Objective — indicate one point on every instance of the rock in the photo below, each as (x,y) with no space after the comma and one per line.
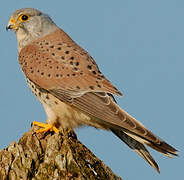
(50,156)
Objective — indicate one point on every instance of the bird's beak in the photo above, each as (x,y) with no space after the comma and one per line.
(12,24)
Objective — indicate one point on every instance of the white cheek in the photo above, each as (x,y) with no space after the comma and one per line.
(33,25)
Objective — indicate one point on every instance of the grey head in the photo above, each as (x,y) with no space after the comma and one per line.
(30,24)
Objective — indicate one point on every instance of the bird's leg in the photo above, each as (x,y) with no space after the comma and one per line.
(45,127)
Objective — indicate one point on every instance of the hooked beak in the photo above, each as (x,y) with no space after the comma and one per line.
(12,25)
(9,27)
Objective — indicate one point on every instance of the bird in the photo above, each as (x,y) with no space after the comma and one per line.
(73,91)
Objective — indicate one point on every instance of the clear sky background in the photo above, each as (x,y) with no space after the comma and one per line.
(139,46)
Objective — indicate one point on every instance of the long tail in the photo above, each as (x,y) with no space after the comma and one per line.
(136,143)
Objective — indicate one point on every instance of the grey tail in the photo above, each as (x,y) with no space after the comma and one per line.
(138,146)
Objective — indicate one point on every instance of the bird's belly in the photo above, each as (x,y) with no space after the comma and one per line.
(60,113)
(63,114)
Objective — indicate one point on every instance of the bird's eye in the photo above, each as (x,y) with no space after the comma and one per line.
(24,17)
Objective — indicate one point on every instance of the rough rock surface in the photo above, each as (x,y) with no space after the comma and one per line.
(51,157)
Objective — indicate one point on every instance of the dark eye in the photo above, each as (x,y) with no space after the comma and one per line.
(24,17)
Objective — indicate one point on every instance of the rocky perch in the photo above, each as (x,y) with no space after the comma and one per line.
(51,156)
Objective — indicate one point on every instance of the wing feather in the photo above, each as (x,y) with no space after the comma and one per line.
(57,63)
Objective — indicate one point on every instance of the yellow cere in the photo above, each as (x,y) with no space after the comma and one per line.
(12,20)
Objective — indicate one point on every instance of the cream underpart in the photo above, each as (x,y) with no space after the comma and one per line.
(60,113)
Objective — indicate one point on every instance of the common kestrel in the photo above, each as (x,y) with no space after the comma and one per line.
(68,83)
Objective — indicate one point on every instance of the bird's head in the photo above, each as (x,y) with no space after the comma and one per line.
(30,24)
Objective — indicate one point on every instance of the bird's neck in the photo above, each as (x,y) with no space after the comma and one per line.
(24,37)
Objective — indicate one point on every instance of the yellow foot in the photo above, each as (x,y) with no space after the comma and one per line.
(45,127)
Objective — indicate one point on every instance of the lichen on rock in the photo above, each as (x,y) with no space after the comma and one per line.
(51,156)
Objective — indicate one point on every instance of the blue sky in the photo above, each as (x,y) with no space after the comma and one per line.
(138,45)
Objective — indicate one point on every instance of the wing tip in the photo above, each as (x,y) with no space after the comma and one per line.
(169,149)
(157,169)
